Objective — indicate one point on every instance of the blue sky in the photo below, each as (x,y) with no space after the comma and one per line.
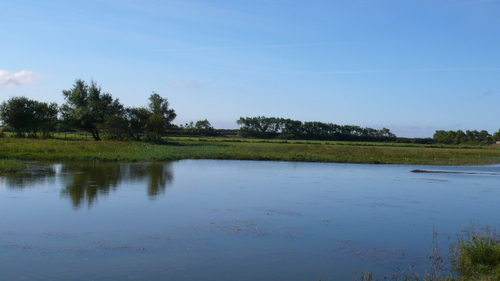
(414,66)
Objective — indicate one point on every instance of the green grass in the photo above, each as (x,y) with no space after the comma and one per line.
(475,257)
(11,166)
(245,149)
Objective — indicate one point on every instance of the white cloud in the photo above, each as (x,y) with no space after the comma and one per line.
(176,84)
(9,79)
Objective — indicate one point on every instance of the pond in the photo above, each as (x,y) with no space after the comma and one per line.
(234,220)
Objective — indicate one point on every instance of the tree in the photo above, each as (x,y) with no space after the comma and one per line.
(138,118)
(290,128)
(86,107)
(203,125)
(496,136)
(45,117)
(160,117)
(26,115)
(117,125)
(17,112)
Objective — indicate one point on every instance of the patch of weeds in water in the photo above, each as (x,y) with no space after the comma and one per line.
(478,254)
(475,257)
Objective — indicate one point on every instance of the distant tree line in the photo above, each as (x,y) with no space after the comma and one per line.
(467,137)
(200,128)
(272,127)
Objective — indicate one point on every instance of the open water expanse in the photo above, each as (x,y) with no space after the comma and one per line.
(235,220)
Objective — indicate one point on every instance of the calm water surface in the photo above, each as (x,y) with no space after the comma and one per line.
(234,220)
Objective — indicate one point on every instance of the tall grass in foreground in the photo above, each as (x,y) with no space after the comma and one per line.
(475,257)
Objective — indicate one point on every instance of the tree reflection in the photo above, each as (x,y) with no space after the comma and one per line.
(35,176)
(84,183)
(157,175)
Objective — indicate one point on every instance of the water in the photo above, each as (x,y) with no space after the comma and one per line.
(234,220)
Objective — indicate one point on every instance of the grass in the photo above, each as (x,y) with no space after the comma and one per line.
(74,149)
(475,257)
(11,166)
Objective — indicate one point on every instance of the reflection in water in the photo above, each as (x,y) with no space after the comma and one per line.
(36,175)
(85,182)
(158,176)
(236,220)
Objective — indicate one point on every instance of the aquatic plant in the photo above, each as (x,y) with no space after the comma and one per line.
(477,257)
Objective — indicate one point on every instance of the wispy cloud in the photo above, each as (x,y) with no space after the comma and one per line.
(194,85)
(176,84)
(9,79)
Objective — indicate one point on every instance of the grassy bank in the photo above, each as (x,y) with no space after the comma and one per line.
(11,166)
(238,149)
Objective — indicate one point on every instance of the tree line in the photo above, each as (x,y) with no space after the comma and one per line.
(87,108)
(273,127)
(467,137)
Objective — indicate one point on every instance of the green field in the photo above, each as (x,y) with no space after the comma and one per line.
(77,148)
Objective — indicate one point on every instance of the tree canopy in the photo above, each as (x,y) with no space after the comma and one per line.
(86,107)
(271,127)
(30,116)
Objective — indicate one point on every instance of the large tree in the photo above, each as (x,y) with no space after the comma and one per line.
(161,116)
(87,107)
(17,113)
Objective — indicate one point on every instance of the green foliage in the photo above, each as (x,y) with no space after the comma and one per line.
(478,255)
(29,116)
(11,166)
(86,107)
(138,118)
(203,125)
(272,127)
(496,136)
(460,137)
(475,257)
(160,116)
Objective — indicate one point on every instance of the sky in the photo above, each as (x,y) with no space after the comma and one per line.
(413,66)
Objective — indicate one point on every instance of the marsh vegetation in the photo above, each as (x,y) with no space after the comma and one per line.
(79,149)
